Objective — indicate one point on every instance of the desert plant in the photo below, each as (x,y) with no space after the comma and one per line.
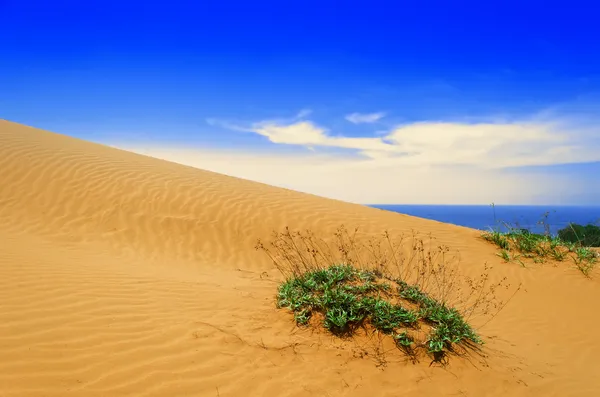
(540,247)
(504,254)
(585,260)
(391,287)
(498,238)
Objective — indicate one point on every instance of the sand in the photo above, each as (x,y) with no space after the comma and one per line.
(124,275)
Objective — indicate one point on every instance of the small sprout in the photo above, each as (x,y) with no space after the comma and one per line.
(403,339)
(504,254)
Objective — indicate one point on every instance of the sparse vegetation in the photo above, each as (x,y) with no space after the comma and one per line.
(347,298)
(574,241)
(585,260)
(408,291)
(504,254)
(529,245)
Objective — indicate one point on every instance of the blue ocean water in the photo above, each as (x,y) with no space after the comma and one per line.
(485,217)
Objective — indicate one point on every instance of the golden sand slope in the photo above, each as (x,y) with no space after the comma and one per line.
(125,275)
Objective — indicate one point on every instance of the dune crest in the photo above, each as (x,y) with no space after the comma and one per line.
(125,275)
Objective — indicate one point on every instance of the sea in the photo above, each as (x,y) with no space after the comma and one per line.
(536,219)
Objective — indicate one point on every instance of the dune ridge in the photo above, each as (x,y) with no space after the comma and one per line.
(127,275)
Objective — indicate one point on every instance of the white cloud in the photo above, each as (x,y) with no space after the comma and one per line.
(358,118)
(429,162)
(306,133)
(484,145)
(363,182)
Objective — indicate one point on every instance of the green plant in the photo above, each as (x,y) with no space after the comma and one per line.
(556,249)
(585,260)
(336,292)
(540,247)
(497,238)
(383,290)
(449,325)
(404,339)
(504,254)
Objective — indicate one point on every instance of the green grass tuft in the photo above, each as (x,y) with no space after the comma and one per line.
(407,290)
(540,247)
(449,327)
(585,260)
(348,298)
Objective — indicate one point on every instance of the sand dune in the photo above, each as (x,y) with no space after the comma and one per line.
(124,275)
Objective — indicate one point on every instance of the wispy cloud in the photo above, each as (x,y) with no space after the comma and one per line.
(470,162)
(485,145)
(355,181)
(227,125)
(306,133)
(303,113)
(358,118)
(215,122)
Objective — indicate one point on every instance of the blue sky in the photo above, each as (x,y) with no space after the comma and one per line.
(452,102)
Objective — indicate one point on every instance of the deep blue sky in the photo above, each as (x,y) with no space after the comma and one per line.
(73,61)
(158,70)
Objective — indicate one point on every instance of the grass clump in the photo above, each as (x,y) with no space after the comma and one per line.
(573,241)
(498,238)
(518,243)
(348,298)
(408,292)
(585,260)
(449,326)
